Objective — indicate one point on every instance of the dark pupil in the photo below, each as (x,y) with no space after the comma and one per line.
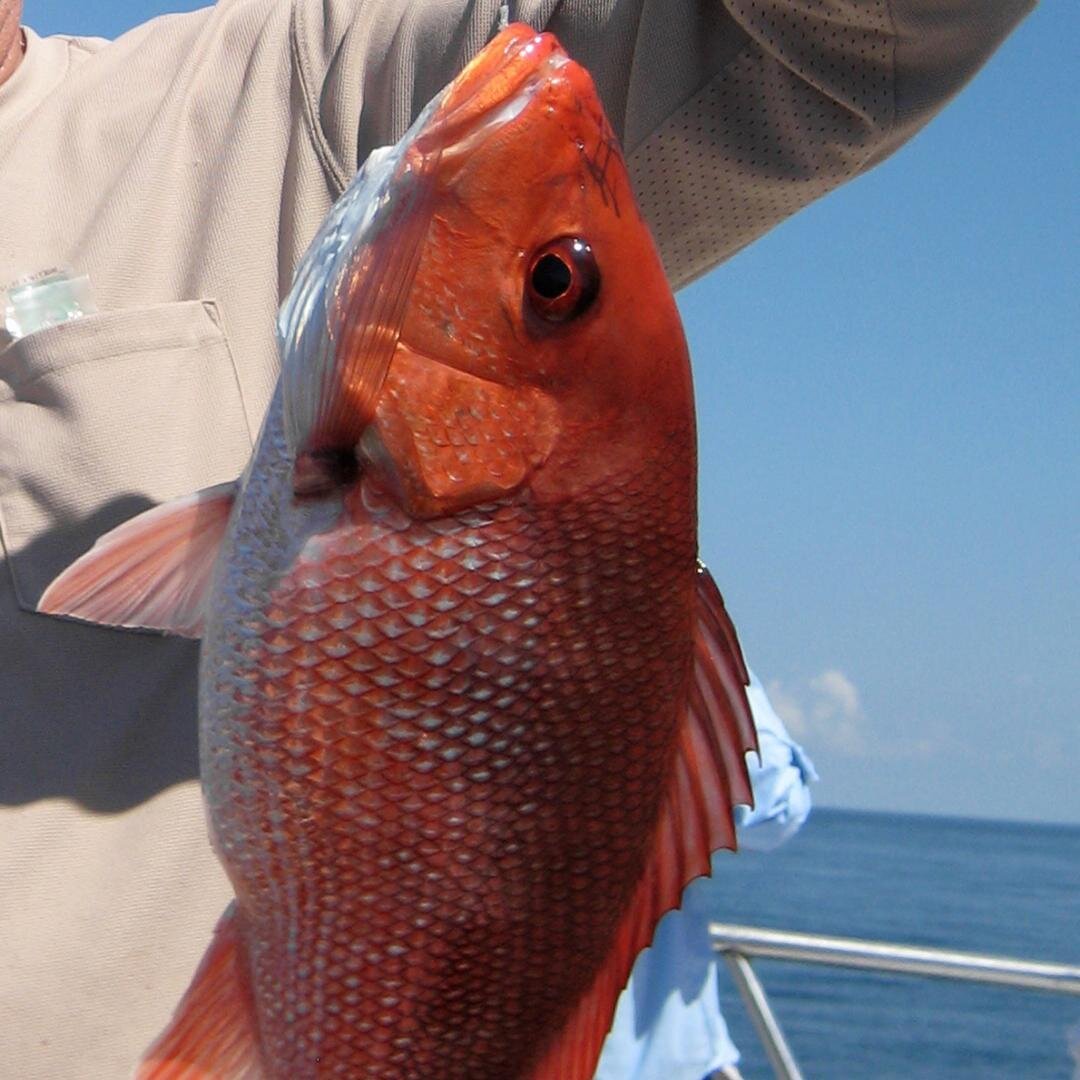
(551,277)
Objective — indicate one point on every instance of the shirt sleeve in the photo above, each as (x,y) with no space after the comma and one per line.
(733,113)
(780,102)
(780,779)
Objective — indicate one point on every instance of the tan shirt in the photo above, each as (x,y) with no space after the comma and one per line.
(184,168)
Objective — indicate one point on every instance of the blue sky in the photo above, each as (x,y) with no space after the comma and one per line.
(889,404)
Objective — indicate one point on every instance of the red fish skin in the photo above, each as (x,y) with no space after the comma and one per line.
(465,800)
(436,739)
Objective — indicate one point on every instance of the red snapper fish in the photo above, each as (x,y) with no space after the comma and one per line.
(471,713)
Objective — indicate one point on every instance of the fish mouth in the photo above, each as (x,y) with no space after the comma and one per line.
(493,89)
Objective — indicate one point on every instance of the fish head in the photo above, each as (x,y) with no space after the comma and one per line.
(525,332)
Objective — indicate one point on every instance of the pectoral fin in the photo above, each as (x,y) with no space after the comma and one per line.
(153,571)
(709,778)
(212,1033)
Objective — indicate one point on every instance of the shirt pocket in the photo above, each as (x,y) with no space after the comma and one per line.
(104,416)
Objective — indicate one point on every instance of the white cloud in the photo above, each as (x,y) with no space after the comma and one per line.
(826,713)
(826,710)
(836,692)
(787,708)
(837,711)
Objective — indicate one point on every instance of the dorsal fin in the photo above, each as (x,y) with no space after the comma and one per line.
(153,571)
(708,780)
(211,1035)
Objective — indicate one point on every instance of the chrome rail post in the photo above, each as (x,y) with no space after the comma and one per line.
(738,943)
(757,1005)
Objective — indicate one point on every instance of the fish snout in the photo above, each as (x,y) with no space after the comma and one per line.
(494,87)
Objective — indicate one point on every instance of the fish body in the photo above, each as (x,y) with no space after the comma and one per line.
(431,752)
(470,713)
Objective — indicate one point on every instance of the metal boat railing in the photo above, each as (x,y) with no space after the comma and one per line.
(737,944)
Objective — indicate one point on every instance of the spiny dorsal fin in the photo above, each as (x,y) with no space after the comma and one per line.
(708,780)
(153,571)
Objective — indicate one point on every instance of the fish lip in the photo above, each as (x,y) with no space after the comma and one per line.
(492,89)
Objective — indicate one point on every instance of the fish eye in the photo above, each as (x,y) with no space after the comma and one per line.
(563,280)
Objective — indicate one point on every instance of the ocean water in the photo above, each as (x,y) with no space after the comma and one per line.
(993,887)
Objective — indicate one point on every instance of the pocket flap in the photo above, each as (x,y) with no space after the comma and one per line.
(104,416)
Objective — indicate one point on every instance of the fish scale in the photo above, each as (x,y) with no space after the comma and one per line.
(406,758)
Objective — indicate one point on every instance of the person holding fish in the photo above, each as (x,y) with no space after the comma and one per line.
(479,285)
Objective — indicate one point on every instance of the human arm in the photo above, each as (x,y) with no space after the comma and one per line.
(733,113)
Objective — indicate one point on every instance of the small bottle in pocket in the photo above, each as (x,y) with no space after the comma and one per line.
(42,300)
